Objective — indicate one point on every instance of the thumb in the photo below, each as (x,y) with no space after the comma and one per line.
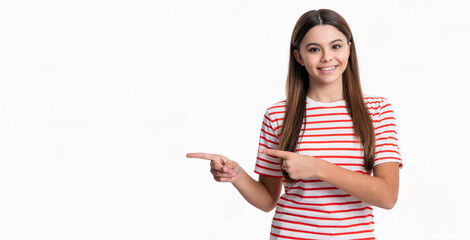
(224,160)
(220,162)
(231,168)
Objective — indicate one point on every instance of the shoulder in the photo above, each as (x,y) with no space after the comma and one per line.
(277,107)
(378,106)
(374,101)
(274,115)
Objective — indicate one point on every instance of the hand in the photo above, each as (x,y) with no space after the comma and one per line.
(222,168)
(298,166)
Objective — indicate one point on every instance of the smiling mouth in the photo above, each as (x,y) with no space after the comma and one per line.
(328,69)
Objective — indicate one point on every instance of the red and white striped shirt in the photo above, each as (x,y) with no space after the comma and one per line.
(311,208)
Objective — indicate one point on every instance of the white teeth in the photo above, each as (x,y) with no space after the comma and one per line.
(327,69)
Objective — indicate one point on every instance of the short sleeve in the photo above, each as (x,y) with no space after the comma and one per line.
(386,146)
(265,164)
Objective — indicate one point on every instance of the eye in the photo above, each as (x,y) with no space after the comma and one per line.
(314,50)
(336,46)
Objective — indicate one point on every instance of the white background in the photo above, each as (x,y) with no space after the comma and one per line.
(101,100)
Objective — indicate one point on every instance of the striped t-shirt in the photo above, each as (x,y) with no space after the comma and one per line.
(311,208)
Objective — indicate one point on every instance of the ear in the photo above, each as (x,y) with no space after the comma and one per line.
(298,58)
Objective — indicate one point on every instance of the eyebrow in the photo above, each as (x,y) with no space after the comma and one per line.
(316,44)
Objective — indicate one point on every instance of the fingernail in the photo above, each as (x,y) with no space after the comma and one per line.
(261,151)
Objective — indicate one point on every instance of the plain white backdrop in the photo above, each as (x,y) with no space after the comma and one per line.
(101,100)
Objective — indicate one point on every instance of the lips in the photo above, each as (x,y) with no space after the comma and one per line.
(328,69)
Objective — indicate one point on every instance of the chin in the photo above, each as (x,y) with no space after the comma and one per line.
(327,80)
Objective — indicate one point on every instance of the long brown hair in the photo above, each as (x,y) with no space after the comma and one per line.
(298,84)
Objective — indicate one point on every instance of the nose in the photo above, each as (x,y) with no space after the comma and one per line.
(326,57)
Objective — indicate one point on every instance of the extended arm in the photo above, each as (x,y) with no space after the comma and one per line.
(262,194)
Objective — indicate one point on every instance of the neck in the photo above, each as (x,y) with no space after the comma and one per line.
(331,92)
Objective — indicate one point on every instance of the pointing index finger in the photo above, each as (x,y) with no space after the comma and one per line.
(275,152)
(206,156)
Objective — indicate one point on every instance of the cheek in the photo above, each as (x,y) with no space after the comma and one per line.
(311,61)
(345,57)
(345,61)
(310,66)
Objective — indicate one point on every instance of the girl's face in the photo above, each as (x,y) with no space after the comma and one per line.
(324,51)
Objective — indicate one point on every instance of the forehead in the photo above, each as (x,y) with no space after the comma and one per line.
(323,35)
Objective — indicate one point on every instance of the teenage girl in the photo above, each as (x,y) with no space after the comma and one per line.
(333,148)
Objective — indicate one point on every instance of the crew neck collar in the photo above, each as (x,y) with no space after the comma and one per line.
(326,104)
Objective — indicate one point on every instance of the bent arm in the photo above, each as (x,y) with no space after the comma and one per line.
(380,190)
(262,194)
